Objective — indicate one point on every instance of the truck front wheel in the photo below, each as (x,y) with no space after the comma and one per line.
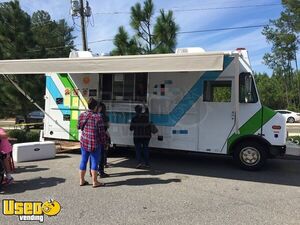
(250,155)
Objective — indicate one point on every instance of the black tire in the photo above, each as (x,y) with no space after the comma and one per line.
(250,155)
(291,120)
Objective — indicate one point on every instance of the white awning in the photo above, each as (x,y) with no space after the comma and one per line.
(117,64)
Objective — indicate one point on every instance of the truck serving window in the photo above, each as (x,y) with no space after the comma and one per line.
(217,91)
(107,87)
(247,90)
(130,87)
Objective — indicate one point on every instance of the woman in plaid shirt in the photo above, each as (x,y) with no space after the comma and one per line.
(93,138)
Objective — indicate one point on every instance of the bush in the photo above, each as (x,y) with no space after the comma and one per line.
(24,136)
(20,135)
(32,136)
(295,139)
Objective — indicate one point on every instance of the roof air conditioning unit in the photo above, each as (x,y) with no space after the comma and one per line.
(189,50)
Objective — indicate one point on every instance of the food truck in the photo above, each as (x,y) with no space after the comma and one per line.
(199,101)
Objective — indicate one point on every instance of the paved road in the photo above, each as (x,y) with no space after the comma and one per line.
(179,189)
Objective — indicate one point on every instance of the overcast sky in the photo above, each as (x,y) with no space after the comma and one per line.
(200,15)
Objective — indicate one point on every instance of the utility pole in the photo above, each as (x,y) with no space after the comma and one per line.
(78,9)
(83,29)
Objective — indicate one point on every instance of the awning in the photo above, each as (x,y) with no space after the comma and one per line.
(117,64)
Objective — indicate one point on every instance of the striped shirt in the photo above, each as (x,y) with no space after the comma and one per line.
(93,134)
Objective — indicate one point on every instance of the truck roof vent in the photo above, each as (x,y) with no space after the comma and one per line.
(189,50)
(80,54)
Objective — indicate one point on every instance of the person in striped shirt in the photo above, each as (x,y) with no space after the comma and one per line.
(92,140)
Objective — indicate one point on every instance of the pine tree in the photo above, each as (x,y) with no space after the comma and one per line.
(23,37)
(282,33)
(149,37)
(53,39)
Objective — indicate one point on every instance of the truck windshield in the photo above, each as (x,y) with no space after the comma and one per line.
(247,89)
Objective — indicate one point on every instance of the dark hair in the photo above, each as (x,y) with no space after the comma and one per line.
(103,107)
(92,104)
(138,109)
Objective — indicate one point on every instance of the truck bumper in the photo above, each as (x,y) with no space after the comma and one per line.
(277,150)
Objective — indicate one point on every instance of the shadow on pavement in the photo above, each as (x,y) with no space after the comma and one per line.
(29,169)
(141,182)
(32,184)
(60,156)
(277,171)
(136,173)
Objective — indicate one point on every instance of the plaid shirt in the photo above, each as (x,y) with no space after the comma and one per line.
(93,133)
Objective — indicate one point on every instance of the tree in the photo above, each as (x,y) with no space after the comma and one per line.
(272,91)
(16,41)
(15,32)
(24,37)
(165,31)
(140,21)
(148,37)
(126,45)
(270,96)
(53,39)
(283,35)
(294,8)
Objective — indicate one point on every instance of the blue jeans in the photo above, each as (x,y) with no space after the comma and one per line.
(95,157)
(142,147)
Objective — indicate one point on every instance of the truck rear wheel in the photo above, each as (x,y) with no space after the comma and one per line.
(250,155)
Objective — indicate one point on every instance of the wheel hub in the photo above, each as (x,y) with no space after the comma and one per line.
(250,156)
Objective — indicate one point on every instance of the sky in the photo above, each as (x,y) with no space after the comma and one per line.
(190,15)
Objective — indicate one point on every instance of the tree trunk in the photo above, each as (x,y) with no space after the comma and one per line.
(287,95)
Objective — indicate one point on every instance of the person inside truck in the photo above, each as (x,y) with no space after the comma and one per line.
(141,93)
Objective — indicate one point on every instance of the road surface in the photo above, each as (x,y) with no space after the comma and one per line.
(178,189)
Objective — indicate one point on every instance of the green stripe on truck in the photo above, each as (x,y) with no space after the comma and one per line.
(252,125)
(68,83)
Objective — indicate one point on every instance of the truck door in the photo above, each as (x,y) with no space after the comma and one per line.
(216,115)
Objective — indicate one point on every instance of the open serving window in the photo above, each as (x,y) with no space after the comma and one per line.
(125,87)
